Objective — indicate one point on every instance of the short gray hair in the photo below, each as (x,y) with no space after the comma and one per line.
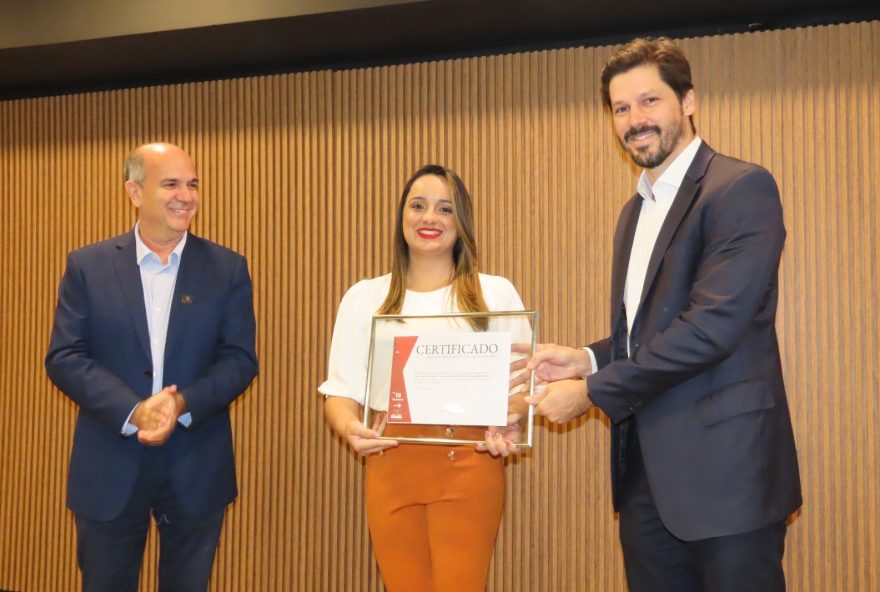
(134,168)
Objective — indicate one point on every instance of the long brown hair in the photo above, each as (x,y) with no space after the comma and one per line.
(465,280)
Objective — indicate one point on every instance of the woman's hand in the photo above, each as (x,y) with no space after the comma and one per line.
(344,415)
(366,441)
(502,441)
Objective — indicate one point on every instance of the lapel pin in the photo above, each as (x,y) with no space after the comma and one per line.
(186,299)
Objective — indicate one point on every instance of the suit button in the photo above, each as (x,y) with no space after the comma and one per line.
(148,373)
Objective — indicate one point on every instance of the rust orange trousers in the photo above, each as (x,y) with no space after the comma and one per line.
(433,513)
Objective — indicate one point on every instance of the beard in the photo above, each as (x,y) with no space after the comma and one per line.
(649,157)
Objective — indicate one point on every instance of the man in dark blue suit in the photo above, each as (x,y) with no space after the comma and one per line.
(153,339)
(704,468)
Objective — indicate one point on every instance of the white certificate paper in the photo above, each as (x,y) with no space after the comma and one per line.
(450,379)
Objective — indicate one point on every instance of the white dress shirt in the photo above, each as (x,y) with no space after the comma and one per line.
(657,199)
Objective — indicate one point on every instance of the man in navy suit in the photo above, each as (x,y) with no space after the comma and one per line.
(153,339)
(704,468)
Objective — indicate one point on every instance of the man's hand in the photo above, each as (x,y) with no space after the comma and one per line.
(561,401)
(156,417)
(550,362)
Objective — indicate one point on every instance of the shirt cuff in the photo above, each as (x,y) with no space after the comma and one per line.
(185,420)
(128,428)
(594,366)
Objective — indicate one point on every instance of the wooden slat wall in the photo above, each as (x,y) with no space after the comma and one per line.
(301,173)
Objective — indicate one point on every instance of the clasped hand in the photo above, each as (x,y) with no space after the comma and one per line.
(156,416)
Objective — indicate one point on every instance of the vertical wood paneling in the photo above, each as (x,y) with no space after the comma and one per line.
(301,173)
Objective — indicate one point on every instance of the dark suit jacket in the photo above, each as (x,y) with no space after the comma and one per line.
(99,356)
(704,381)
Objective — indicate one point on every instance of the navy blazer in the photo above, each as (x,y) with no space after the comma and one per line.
(99,356)
(703,382)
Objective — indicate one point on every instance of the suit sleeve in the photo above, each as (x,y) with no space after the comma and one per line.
(235,363)
(743,235)
(94,388)
(602,351)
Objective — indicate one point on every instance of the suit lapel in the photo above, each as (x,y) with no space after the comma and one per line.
(690,188)
(186,290)
(129,274)
(623,241)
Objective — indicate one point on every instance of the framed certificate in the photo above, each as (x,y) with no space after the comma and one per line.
(444,379)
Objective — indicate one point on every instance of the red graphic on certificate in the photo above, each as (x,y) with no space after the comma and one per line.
(398,405)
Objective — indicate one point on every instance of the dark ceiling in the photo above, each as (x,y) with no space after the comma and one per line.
(391,34)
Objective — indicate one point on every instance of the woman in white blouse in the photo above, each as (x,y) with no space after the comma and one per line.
(433,511)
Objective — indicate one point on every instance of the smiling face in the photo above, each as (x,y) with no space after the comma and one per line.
(168,196)
(429,222)
(650,121)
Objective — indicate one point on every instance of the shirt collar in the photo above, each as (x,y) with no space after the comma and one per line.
(674,174)
(142,251)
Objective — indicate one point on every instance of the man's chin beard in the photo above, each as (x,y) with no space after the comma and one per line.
(667,140)
(650,160)
(666,143)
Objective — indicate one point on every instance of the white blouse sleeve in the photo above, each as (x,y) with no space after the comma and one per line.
(505,297)
(514,301)
(347,366)
(500,294)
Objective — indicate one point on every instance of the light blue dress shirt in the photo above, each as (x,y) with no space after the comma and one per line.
(158,280)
